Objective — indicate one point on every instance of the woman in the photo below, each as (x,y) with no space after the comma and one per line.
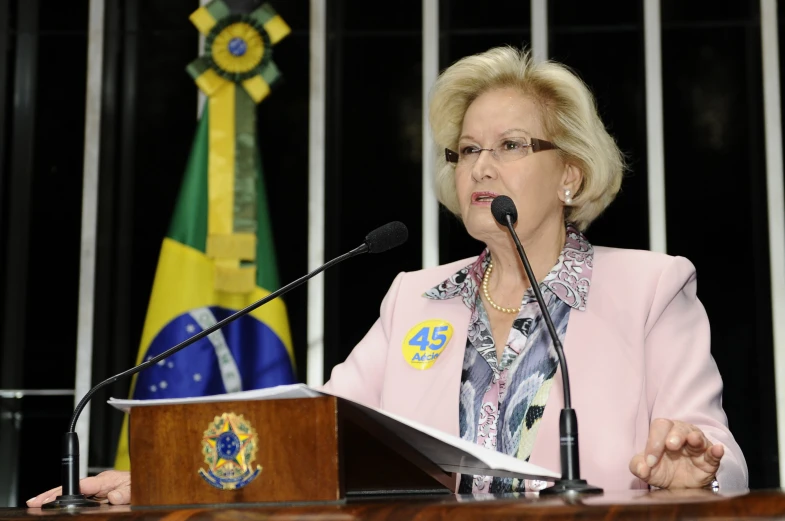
(463,347)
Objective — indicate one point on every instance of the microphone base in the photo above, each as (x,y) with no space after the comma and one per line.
(570,486)
(71,502)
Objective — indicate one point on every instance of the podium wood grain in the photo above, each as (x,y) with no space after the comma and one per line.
(311,449)
(166,448)
(701,504)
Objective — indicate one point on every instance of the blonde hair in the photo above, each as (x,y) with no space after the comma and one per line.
(569,114)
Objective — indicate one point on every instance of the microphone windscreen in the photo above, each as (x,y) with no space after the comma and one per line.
(501,207)
(387,237)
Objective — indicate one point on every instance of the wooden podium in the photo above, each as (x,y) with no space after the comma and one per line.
(310,450)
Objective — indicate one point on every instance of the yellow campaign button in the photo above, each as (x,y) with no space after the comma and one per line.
(425,342)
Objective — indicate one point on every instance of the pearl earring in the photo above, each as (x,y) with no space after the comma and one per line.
(567,197)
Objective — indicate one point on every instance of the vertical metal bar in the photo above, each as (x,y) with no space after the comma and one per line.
(335,74)
(19,197)
(9,433)
(655,147)
(105,293)
(430,70)
(5,37)
(92,145)
(445,8)
(20,185)
(316,202)
(10,429)
(125,214)
(775,194)
(539,29)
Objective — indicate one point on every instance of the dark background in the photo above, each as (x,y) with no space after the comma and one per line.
(714,158)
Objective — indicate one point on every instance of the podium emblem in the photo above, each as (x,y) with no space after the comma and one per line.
(229,447)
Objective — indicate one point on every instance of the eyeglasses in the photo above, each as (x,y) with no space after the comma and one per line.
(507,149)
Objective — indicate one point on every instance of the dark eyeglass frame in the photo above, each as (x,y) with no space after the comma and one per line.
(537,145)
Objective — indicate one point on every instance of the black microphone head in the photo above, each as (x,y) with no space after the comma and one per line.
(387,237)
(501,207)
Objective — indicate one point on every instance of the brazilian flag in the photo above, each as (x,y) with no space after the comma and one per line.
(250,353)
(218,255)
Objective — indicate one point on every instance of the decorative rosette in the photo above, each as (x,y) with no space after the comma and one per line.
(238,48)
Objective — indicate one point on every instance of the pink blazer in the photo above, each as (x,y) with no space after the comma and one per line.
(640,351)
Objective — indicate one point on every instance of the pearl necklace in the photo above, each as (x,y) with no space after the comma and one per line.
(493,304)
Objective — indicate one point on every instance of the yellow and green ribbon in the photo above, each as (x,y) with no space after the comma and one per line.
(236,72)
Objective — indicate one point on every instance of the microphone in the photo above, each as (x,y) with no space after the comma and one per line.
(379,240)
(505,213)
(386,237)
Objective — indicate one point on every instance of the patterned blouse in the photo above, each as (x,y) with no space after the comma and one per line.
(501,402)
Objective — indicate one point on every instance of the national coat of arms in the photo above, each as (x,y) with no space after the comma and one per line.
(229,447)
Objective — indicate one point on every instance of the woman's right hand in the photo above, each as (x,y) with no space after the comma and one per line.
(113,486)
